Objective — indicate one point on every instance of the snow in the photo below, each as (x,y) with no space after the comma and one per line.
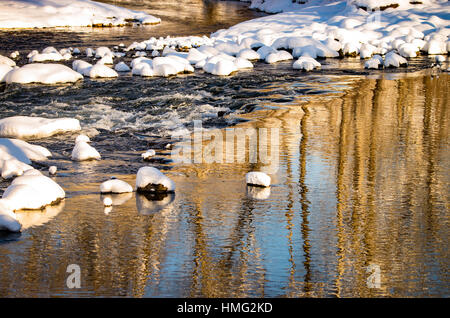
(150,179)
(374,62)
(122,67)
(56,13)
(22,151)
(83,151)
(32,192)
(256,178)
(36,127)
(8,219)
(149,153)
(7,61)
(323,28)
(12,167)
(278,56)
(4,69)
(42,73)
(101,71)
(52,170)
(248,54)
(115,186)
(306,63)
(392,59)
(107,202)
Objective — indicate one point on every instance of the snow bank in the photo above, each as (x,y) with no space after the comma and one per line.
(115,186)
(36,127)
(327,29)
(150,179)
(42,73)
(52,13)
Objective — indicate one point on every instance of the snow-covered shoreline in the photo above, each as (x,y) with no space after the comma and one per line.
(65,13)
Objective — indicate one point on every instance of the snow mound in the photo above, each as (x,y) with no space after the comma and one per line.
(392,59)
(36,127)
(256,178)
(150,179)
(115,186)
(32,192)
(122,67)
(42,73)
(83,151)
(101,71)
(306,63)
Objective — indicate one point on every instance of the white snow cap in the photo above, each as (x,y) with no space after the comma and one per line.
(115,186)
(33,191)
(122,67)
(22,150)
(7,61)
(305,63)
(257,178)
(83,151)
(36,127)
(52,170)
(42,73)
(8,220)
(149,153)
(150,179)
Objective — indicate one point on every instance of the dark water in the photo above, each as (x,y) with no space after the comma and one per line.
(360,189)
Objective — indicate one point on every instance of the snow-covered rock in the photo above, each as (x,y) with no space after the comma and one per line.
(122,67)
(101,71)
(52,170)
(374,62)
(4,69)
(256,178)
(115,186)
(248,54)
(32,192)
(306,63)
(148,154)
(42,73)
(150,179)
(7,61)
(392,59)
(22,150)
(83,151)
(36,127)
(278,56)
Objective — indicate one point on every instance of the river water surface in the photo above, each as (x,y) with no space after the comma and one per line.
(358,205)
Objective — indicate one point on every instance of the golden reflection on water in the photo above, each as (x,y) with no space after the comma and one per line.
(362,181)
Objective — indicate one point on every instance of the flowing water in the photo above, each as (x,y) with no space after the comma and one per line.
(358,205)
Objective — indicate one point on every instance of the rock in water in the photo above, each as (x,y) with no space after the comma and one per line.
(150,179)
(259,179)
(115,186)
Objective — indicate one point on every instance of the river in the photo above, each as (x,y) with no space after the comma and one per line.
(359,200)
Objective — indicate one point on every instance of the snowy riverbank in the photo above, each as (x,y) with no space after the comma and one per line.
(63,13)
